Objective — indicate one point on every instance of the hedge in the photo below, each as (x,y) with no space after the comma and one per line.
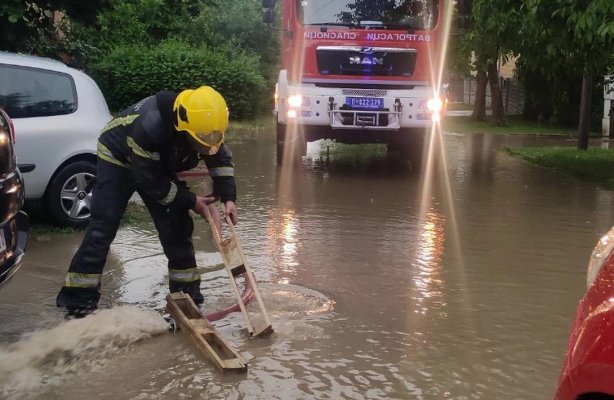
(130,73)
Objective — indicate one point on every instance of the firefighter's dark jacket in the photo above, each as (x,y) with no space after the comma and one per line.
(143,138)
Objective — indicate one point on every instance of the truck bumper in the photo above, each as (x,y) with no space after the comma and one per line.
(327,107)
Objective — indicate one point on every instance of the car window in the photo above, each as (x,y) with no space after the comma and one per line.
(31,92)
(7,160)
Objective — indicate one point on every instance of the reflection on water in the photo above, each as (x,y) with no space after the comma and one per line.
(431,238)
(375,290)
(289,236)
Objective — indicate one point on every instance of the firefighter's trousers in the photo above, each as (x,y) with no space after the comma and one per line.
(114,187)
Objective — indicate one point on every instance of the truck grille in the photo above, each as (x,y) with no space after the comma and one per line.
(366,61)
(365,92)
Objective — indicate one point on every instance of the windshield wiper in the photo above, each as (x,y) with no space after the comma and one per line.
(348,24)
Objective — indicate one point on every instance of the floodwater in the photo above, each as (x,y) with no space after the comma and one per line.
(375,288)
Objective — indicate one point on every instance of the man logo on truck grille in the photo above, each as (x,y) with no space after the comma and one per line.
(367,58)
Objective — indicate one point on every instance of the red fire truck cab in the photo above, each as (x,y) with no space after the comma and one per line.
(357,71)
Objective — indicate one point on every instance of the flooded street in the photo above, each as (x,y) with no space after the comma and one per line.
(377,286)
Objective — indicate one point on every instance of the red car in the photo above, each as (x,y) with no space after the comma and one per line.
(588,371)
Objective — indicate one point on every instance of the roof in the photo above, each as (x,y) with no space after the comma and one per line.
(31,61)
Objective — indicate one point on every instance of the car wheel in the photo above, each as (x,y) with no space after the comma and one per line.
(70,194)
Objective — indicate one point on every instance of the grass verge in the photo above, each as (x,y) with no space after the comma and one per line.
(136,215)
(459,106)
(264,125)
(516,126)
(593,165)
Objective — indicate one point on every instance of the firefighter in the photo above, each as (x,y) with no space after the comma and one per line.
(142,150)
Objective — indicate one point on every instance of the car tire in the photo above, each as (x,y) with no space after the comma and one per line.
(69,194)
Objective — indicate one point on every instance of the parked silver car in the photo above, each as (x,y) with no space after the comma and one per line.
(58,113)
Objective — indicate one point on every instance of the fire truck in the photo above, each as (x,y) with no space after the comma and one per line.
(357,71)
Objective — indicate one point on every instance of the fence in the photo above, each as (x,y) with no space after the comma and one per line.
(463,91)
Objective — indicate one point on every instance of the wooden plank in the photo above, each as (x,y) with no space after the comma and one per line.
(200,331)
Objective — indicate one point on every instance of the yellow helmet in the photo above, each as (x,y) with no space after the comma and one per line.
(203,114)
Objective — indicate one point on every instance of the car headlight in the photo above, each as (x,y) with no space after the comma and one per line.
(601,252)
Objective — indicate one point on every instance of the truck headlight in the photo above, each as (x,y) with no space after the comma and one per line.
(295,100)
(435,106)
(600,254)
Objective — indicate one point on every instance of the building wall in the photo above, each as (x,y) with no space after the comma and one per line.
(506,70)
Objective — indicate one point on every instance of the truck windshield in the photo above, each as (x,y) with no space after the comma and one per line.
(382,14)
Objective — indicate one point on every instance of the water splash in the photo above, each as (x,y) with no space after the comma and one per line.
(44,357)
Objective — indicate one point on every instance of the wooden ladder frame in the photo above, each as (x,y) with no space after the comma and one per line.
(236,264)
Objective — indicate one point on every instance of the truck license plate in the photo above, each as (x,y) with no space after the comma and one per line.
(365,103)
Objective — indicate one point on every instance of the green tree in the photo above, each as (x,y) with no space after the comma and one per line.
(579,35)
(33,26)
(131,72)
(229,25)
(144,22)
(491,37)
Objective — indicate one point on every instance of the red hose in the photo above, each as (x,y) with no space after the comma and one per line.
(248,294)
(192,173)
(198,171)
